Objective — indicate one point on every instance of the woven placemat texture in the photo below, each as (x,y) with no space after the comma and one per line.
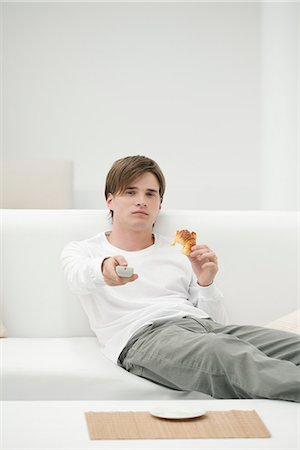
(142,425)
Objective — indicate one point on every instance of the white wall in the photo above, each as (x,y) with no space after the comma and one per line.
(179,82)
(280,118)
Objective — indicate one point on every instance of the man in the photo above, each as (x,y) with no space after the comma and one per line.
(167,322)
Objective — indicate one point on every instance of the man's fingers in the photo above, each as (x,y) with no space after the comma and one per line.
(129,279)
(119,260)
(120,281)
(200,247)
(212,265)
(109,271)
(199,256)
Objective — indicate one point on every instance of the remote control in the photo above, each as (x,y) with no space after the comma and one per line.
(124,271)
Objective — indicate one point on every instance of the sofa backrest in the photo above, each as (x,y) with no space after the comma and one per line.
(257,252)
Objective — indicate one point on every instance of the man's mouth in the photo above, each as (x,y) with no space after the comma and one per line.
(140,212)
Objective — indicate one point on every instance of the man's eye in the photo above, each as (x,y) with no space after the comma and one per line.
(130,192)
(150,194)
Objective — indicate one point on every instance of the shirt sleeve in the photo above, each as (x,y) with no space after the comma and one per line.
(82,271)
(210,300)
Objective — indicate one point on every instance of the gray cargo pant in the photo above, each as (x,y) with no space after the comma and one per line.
(223,361)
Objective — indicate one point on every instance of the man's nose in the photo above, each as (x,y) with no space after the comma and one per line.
(141,201)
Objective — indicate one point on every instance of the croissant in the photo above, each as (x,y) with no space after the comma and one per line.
(185,238)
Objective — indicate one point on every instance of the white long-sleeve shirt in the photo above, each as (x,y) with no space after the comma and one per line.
(166,287)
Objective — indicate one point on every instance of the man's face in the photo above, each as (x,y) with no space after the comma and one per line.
(138,206)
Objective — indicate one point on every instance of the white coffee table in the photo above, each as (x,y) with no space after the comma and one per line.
(61,425)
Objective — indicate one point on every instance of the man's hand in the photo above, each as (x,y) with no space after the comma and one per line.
(109,271)
(204,263)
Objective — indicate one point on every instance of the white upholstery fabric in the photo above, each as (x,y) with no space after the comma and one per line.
(71,369)
(51,352)
(289,322)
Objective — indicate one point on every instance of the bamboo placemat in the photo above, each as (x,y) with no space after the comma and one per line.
(142,425)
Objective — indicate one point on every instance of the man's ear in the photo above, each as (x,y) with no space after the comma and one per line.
(109,201)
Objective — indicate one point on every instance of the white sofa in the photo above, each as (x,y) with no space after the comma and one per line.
(51,353)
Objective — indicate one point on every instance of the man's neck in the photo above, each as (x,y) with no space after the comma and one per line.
(130,240)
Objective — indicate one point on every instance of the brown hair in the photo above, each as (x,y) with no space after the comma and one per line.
(126,170)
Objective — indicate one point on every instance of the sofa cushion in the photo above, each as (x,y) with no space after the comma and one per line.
(71,369)
(288,322)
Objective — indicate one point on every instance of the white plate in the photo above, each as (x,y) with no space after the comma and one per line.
(176,413)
